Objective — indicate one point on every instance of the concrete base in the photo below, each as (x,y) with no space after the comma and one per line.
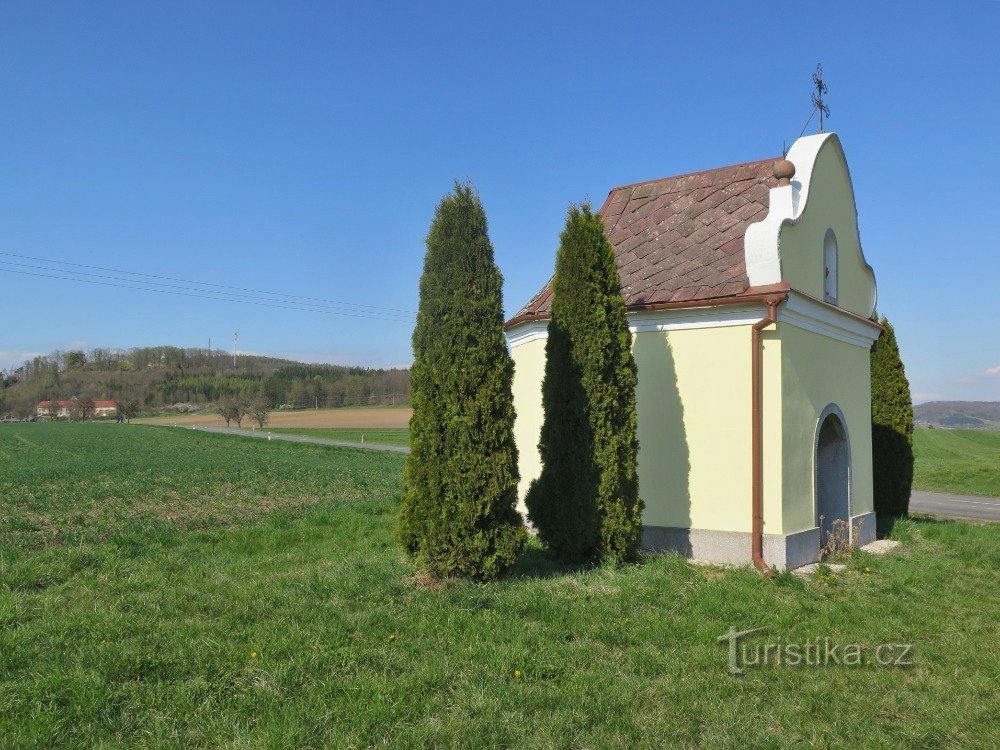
(733,547)
(781,551)
(863,529)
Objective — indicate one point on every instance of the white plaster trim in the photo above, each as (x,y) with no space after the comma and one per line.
(811,315)
(528,331)
(710,316)
(761,242)
(800,311)
(719,316)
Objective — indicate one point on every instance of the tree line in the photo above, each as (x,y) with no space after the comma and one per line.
(158,377)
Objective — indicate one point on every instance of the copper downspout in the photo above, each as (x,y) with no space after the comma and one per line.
(757,477)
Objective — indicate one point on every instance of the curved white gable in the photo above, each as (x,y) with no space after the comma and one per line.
(788,244)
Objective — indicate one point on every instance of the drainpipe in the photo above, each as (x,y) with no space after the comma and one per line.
(757,478)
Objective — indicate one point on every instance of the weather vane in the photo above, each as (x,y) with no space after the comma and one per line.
(817,98)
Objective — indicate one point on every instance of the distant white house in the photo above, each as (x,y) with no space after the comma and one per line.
(64,409)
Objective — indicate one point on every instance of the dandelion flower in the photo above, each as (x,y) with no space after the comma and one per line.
(253,654)
(517,674)
(392,636)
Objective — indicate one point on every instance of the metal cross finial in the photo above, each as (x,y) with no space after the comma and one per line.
(817,98)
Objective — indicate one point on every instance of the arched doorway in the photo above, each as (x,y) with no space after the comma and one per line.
(833,481)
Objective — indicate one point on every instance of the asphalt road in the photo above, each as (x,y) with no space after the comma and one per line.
(935,503)
(265,435)
(956,506)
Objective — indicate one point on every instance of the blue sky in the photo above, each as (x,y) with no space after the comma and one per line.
(301,148)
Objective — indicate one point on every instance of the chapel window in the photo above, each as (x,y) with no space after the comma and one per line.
(830,268)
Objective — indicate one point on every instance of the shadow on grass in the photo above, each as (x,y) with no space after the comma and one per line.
(536,562)
(891,527)
(885,525)
(925,519)
(905,529)
(900,527)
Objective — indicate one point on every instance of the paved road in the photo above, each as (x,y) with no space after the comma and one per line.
(956,506)
(265,435)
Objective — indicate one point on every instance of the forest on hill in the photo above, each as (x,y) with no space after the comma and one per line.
(961,415)
(159,377)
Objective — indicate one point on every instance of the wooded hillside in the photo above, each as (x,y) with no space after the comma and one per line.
(161,376)
(968,415)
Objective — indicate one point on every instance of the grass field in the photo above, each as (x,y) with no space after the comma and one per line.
(168,588)
(352,417)
(966,462)
(68,484)
(385,436)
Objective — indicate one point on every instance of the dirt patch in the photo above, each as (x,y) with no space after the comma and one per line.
(355,418)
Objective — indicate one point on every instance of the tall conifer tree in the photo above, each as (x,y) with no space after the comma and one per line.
(892,430)
(458,516)
(586,501)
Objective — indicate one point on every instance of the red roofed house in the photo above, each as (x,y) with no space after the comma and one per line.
(64,409)
(749,300)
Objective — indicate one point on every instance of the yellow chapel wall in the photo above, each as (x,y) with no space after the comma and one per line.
(694,425)
(817,371)
(529,370)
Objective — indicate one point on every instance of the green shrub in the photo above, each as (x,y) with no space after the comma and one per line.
(458,515)
(586,501)
(892,430)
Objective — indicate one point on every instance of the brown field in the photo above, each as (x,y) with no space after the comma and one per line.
(371,417)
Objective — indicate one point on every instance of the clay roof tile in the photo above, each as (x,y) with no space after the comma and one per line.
(681,238)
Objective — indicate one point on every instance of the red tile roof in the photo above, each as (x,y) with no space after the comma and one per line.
(680,239)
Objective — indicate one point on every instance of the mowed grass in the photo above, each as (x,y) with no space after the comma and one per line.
(306,626)
(966,462)
(380,435)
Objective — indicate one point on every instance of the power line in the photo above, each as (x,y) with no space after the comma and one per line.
(288,297)
(238,300)
(193,291)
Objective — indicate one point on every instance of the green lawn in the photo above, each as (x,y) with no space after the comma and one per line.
(383,435)
(966,462)
(170,588)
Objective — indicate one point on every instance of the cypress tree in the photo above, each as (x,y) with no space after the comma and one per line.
(892,430)
(586,501)
(458,516)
